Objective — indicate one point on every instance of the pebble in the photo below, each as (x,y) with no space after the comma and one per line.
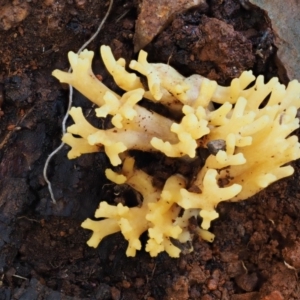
(275,295)
(115,293)
(103,292)
(235,269)
(126,284)
(212,284)
(247,282)
(139,282)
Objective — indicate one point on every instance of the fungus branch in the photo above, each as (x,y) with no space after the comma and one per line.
(253,127)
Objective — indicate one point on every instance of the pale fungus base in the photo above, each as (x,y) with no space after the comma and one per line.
(255,125)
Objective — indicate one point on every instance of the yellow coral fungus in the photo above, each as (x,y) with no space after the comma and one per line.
(248,137)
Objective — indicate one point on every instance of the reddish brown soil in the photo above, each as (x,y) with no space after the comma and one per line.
(43,251)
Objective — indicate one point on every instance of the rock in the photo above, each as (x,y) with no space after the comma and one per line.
(115,293)
(285,19)
(215,146)
(206,46)
(235,269)
(275,295)
(154,15)
(103,292)
(247,282)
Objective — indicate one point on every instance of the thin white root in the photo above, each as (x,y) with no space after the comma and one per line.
(46,166)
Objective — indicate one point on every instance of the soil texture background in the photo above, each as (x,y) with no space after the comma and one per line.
(43,251)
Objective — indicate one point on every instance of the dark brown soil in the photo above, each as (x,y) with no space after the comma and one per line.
(43,251)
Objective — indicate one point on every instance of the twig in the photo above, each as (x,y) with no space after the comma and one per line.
(21,277)
(123,15)
(32,220)
(70,104)
(7,137)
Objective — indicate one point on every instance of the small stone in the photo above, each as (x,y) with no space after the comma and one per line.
(71,230)
(247,282)
(228,257)
(215,146)
(126,284)
(139,282)
(212,284)
(80,3)
(103,292)
(196,274)
(49,2)
(235,269)
(275,295)
(115,293)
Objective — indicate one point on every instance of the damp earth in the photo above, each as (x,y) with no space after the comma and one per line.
(43,251)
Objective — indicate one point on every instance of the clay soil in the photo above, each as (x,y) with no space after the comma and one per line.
(43,251)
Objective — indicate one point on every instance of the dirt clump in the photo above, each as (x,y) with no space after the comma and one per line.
(11,14)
